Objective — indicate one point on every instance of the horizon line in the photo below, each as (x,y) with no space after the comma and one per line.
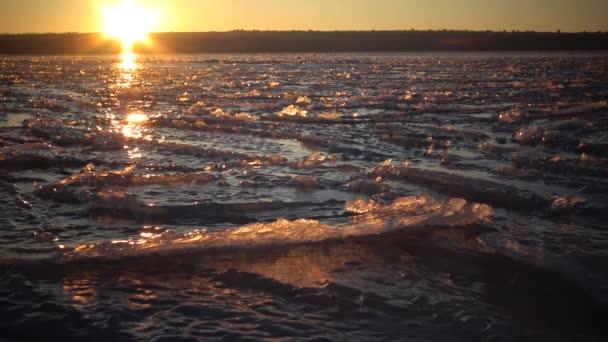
(327,31)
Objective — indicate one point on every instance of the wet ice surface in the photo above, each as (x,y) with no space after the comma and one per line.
(423,197)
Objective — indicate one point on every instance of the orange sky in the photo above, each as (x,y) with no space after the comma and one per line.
(18,16)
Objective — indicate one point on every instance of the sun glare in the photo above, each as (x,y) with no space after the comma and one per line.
(134,125)
(127,63)
(129,22)
(137,118)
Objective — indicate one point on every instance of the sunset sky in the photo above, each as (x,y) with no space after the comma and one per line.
(19,16)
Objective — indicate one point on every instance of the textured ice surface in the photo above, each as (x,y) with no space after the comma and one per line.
(341,197)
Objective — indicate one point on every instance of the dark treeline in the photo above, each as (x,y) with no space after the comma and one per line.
(308,41)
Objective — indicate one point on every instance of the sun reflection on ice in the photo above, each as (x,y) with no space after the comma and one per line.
(128,62)
(134,126)
(137,118)
(127,69)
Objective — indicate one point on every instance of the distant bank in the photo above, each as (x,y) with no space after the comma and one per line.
(308,41)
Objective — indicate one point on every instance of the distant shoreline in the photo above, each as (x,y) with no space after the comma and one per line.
(308,42)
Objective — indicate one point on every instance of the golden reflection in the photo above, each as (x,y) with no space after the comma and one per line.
(140,297)
(136,118)
(134,125)
(81,287)
(128,63)
(127,67)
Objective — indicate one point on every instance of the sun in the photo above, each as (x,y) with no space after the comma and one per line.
(129,22)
